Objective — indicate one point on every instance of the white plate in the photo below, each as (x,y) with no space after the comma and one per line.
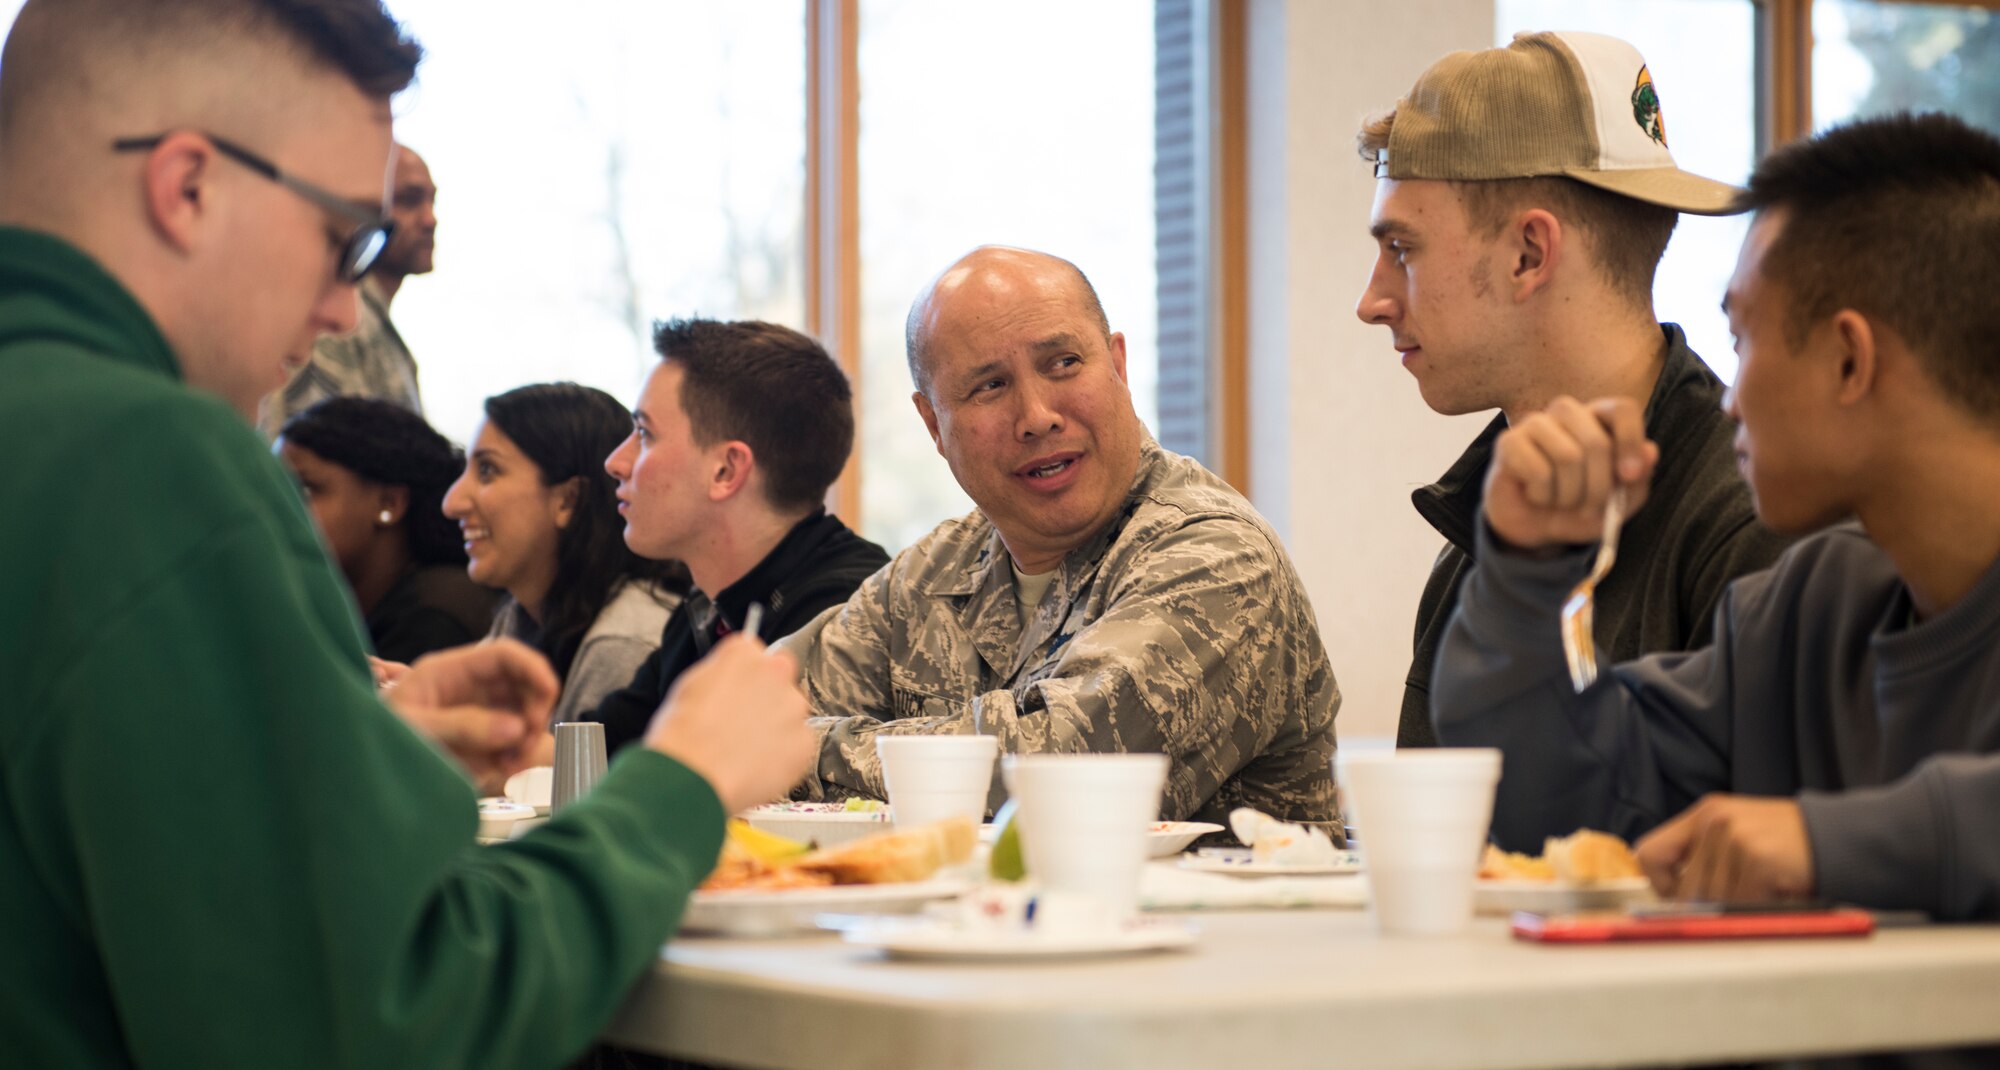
(1549,897)
(757,912)
(532,786)
(1169,838)
(502,819)
(1236,861)
(932,939)
(826,824)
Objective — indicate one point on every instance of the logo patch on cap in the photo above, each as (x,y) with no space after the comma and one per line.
(1646,108)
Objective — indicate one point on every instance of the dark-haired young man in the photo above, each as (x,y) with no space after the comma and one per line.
(1851,700)
(738,433)
(1526,197)
(217,847)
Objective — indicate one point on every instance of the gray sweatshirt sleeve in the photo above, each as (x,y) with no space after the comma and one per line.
(1640,745)
(1924,842)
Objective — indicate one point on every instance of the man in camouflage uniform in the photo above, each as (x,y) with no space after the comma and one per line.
(1106,596)
(372,360)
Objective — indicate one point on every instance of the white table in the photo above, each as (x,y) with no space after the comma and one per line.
(1320,988)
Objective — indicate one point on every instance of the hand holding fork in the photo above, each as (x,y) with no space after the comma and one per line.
(1570,475)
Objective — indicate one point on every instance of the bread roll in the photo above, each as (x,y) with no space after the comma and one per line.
(1589,857)
(896,856)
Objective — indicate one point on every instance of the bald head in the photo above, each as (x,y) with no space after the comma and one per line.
(994,271)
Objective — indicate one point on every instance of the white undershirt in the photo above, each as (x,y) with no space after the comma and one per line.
(1030,590)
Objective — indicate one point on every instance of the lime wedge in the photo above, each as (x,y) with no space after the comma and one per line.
(1006,863)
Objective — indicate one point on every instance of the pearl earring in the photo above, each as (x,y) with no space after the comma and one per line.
(387,517)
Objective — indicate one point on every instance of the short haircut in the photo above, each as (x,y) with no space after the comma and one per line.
(1626,237)
(357,38)
(1897,218)
(772,388)
(385,443)
(917,340)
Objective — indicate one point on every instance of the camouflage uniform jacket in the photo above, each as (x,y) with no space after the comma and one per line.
(1181,628)
(370,361)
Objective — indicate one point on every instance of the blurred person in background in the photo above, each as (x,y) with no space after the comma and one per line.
(374,476)
(372,360)
(539,518)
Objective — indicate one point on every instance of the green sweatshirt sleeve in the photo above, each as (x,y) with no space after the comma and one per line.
(275,871)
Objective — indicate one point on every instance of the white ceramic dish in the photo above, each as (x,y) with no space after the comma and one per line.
(534,786)
(755,912)
(939,940)
(1169,838)
(825,824)
(1238,862)
(1549,897)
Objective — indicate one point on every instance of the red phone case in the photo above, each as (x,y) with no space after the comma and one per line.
(1597,928)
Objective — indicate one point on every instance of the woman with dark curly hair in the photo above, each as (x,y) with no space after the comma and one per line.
(540,520)
(374,474)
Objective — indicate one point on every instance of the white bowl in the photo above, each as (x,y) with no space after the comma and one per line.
(1166,839)
(823,824)
(533,786)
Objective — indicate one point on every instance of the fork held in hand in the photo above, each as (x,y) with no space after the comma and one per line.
(1578,635)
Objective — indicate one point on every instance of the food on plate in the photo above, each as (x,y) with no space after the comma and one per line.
(885,858)
(765,846)
(1499,865)
(1583,857)
(1276,842)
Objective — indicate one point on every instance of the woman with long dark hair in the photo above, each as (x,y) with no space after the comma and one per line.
(539,517)
(373,474)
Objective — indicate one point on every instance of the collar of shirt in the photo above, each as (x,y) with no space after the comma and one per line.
(1451,505)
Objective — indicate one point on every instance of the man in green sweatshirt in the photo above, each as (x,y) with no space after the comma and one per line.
(217,847)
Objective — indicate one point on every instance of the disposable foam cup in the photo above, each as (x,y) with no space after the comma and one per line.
(1423,817)
(1084,819)
(931,778)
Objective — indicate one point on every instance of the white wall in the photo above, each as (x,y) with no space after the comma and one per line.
(1339,435)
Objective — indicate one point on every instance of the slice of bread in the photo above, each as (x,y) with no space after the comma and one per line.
(895,856)
(1499,865)
(1589,857)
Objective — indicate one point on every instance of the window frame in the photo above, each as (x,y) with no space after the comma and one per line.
(833,225)
(1784,56)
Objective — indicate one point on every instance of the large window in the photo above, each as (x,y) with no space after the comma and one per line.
(1029,123)
(599,166)
(1872,58)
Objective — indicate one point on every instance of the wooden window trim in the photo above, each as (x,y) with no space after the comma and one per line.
(833,210)
(1784,52)
(833,225)
(1230,288)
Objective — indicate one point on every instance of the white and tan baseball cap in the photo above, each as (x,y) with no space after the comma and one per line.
(1581,105)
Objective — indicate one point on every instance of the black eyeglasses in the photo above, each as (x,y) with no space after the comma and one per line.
(362,248)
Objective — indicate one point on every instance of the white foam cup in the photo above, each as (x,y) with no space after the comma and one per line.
(1084,819)
(931,778)
(1423,816)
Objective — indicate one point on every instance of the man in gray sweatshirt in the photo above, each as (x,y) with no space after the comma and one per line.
(1841,738)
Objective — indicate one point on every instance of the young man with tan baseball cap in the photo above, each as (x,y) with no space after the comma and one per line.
(1526,195)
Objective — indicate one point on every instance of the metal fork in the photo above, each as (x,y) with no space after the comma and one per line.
(1578,621)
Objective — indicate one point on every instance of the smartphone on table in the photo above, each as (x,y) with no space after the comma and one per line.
(1696,921)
